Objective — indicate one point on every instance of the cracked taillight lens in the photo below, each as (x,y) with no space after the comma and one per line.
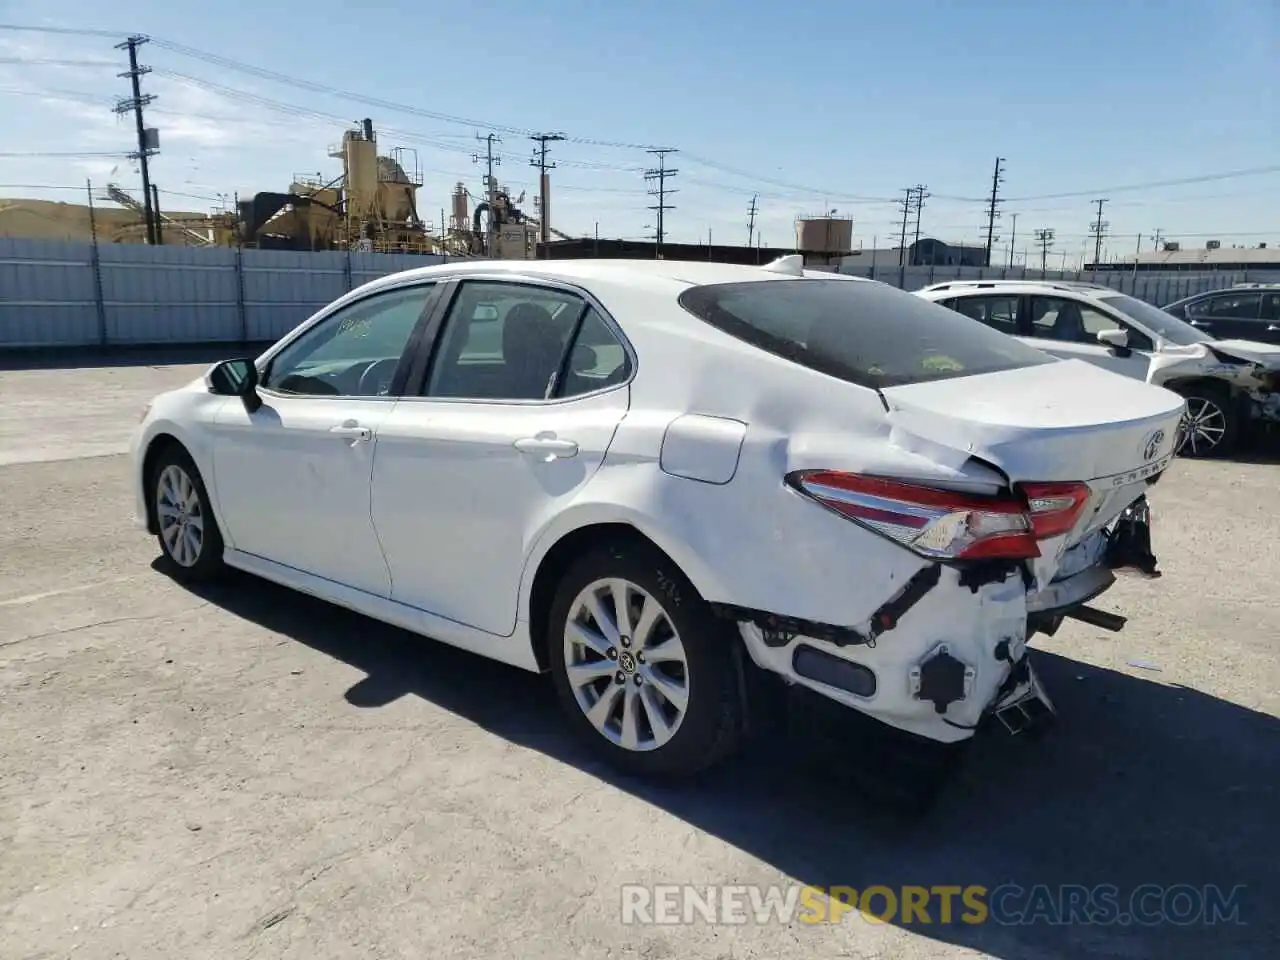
(943,524)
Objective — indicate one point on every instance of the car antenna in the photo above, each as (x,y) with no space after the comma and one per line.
(792,265)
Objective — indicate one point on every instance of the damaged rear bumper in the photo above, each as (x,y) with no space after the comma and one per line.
(949,650)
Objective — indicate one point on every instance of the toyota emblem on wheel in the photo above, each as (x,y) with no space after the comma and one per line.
(1151,445)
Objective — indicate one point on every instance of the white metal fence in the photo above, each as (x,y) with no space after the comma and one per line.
(59,294)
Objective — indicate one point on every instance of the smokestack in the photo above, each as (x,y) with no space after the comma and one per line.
(368,128)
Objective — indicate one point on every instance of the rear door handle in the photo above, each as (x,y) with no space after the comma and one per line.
(1272,328)
(549,447)
(351,431)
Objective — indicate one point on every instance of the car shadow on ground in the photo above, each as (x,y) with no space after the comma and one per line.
(92,358)
(1140,783)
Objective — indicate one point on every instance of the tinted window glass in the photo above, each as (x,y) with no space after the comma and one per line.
(865,332)
(1236,306)
(1271,307)
(353,352)
(503,341)
(997,312)
(1064,319)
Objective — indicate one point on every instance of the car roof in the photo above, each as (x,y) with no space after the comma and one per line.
(1080,288)
(1221,291)
(668,275)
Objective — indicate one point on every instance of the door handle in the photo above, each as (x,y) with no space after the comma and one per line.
(350,431)
(550,447)
(1272,328)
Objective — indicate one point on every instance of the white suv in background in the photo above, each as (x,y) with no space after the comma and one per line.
(1226,383)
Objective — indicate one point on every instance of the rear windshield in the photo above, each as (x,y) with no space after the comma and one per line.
(870,334)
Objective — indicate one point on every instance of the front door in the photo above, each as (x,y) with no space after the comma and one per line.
(524,394)
(1069,328)
(1234,315)
(292,478)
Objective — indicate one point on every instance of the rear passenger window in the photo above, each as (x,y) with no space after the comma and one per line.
(998,312)
(1243,306)
(512,341)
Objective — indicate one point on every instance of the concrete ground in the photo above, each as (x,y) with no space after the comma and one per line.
(251,773)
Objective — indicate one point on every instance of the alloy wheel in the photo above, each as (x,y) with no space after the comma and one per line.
(626,664)
(181,515)
(1203,426)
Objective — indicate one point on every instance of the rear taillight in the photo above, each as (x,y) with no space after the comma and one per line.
(1055,507)
(944,524)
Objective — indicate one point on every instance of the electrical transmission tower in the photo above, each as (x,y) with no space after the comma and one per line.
(1044,237)
(491,185)
(659,175)
(993,206)
(751,220)
(1098,230)
(544,185)
(148,138)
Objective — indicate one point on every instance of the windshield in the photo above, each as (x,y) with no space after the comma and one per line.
(866,333)
(1165,325)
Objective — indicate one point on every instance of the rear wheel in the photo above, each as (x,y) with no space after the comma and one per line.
(1211,424)
(188,533)
(644,669)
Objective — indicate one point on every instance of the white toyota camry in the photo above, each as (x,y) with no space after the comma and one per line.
(658,480)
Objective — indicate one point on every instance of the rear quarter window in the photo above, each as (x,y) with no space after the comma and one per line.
(866,333)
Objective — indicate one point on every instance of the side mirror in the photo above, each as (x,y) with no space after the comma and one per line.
(1118,340)
(235,378)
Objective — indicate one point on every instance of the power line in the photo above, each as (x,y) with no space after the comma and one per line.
(491,186)
(660,175)
(993,211)
(918,205)
(906,203)
(544,185)
(1044,237)
(1098,230)
(148,143)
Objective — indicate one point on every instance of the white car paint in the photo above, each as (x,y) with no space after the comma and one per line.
(1253,379)
(430,515)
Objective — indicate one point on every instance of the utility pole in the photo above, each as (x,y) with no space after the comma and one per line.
(659,175)
(993,207)
(544,185)
(906,203)
(751,219)
(1155,239)
(1013,241)
(921,191)
(491,185)
(1045,239)
(1098,230)
(148,141)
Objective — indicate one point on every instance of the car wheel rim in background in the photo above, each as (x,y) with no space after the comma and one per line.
(180,515)
(626,664)
(1204,426)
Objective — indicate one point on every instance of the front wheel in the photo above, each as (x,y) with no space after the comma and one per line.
(1211,424)
(188,533)
(646,672)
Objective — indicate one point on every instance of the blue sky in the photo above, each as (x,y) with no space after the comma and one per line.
(839,105)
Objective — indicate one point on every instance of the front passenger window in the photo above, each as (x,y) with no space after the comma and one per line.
(355,351)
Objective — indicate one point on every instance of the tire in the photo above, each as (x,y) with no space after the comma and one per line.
(1212,422)
(188,532)
(698,669)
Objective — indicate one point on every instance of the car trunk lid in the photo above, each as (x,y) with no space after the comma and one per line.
(1065,421)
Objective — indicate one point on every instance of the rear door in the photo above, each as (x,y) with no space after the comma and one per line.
(517,406)
(1069,328)
(1229,316)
